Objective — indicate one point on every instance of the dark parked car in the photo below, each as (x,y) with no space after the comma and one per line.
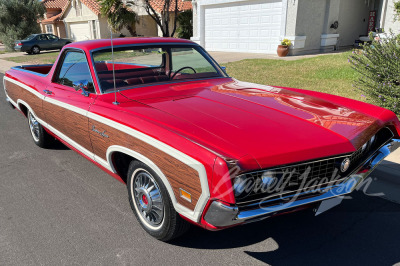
(38,42)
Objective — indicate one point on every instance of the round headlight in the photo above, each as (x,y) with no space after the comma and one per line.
(242,186)
(268,178)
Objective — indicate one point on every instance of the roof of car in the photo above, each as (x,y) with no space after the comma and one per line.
(95,44)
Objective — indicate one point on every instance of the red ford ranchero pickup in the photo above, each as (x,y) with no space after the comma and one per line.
(194,145)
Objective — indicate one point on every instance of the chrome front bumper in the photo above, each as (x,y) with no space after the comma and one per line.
(221,215)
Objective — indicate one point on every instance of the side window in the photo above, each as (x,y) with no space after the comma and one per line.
(52,37)
(42,38)
(75,70)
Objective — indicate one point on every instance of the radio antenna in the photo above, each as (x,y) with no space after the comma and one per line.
(113,65)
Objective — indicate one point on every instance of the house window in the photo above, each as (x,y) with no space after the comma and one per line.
(49,28)
(94,29)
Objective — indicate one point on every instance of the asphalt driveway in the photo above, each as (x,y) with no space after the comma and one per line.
(57,208)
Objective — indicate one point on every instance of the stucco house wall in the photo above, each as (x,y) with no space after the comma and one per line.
(310,22)
(389,21)
(307,23)
(353,20)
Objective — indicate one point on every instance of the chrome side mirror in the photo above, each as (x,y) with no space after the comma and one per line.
(82,85)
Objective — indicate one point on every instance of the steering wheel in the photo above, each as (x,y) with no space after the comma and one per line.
(179,70)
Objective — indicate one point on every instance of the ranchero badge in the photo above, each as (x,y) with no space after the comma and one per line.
(101,133)
(345,165)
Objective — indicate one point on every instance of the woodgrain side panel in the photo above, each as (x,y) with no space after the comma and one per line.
(16,93)
(73,125)
(178,174)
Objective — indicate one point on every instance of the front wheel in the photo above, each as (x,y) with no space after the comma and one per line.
(39,134)
(152,205)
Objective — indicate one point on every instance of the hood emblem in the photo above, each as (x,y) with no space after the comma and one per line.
(345,165)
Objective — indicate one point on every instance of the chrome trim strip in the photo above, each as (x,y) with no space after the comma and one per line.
(324,186)
(231,218)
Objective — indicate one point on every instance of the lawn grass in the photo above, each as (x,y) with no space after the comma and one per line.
(42,58)
(327,73)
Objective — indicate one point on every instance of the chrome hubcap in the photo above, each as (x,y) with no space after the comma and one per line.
(34,126)
(35,50)
(148,198)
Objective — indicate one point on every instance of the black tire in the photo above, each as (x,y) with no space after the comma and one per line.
(39,135)
(172,225)
(35,50)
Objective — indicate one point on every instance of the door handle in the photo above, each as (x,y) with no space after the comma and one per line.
(48,92)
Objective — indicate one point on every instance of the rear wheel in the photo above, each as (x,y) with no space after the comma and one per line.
(152,205)
(39,134)
(35,50)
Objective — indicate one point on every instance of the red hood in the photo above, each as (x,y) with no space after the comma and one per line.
(273,125)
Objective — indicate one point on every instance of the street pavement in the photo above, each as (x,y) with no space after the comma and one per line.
(57,208)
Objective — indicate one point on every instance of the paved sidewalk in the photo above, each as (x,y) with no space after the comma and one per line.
(12,54)
(226,57)
(6,65)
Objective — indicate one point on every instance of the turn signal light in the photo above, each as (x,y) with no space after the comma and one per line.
(185,195)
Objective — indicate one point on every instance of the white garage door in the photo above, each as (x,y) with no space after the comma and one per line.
(250,26)
(80,31)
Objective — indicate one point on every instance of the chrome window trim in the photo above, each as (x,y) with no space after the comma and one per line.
(207,57)
(58,66)
(163,82)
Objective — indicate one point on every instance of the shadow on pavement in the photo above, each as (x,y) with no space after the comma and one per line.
(44,52)
(59,146)
(363,230)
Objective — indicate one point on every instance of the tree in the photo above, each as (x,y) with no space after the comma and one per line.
(19,19)
(185,20)
(119,14)
(163,18)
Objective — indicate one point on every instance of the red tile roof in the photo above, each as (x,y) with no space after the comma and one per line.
(92,5)
(55,3)
(158,5)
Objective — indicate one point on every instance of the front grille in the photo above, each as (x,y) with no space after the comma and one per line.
(307,176)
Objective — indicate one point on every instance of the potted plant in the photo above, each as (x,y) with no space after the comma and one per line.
(283,49)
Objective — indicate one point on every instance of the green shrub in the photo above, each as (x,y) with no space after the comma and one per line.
(185,28)
(397,9)
(378,66)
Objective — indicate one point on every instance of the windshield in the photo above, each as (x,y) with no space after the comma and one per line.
(30,37)
(138,66)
